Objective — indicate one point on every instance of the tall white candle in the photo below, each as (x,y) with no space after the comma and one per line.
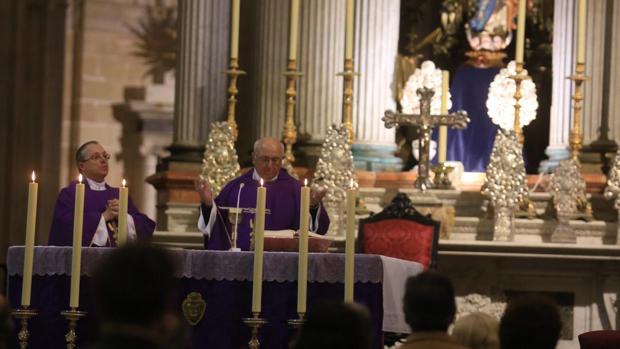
(443,130)
(302,271)
(293,30)
(581,32)
(350,245)
(234,29)
(76,257)
(349,29)
(520,32)
(259,236)
(31,218)
(122,213)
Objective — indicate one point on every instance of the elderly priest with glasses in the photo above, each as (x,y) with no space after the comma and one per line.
(101,205)
(283,200)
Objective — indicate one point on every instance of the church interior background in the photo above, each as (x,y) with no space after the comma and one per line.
(77,70)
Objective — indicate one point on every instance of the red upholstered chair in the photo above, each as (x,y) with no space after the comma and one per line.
(607,339)
(400,231)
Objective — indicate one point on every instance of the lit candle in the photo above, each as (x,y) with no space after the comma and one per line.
(122,214)
(76,257)
(234,29)
(350,244)
(259,235)
(443,130)
(302,271)
(348,38)
(31,218)
(581,32)
(293,29)
(520,32)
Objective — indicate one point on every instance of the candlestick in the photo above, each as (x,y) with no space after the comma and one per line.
(259,234)
(443,130)
(31,218)
(234,29)
(255,324)
(293,30)
(122,214)
(348,39)
(72,315)
(76,257)
(350,245)
(23,314)
(581,32)
(520,32)
(302,271)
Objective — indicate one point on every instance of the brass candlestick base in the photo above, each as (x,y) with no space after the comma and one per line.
(233,73)
(72,316)
(24,314)
(441,180)
(254,323)
(289,137)
(347,103)
(297,323)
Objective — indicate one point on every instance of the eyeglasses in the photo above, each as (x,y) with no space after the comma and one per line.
(267,159)
(98,157)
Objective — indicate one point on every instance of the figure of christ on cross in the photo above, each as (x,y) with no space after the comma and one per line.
(425,121)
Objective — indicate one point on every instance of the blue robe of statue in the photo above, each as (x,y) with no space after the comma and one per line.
(283,199)
(473,145)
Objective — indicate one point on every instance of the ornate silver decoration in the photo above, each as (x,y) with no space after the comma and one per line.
(425,121)
(475,302)
(568,190)
(335,174)
(612,191)
(220,163)
(505,183)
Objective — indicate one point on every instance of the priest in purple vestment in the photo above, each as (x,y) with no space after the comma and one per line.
(101,205)
(283,200)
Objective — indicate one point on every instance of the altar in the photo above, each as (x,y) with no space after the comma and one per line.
(224,280)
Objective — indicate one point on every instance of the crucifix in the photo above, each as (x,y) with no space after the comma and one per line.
(425,121)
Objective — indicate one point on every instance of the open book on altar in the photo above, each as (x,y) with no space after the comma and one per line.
(288,241)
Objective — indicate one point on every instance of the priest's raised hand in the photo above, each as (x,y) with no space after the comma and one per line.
(283,201)
(101,206)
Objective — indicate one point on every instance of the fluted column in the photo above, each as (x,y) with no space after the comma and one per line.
(200,92)
(595,69)
(376,47)
(270,50)
(563,65)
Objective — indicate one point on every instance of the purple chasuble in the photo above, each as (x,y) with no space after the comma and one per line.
(283,199)
(61,233)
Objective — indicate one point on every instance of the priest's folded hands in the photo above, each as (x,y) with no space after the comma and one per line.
(101,205)
(282,202)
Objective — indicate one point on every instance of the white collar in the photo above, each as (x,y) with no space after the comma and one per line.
(96,186)
(257,177)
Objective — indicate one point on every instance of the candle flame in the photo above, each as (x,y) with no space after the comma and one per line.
(261,182)
(80,178)
(351,183)
(306,182)
(124,183)
(33,176)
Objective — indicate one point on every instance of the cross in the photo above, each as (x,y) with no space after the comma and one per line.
(425,121)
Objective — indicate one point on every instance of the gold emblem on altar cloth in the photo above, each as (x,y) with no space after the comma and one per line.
(193,307)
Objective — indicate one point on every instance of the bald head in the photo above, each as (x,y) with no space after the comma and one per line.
(268,143)
(267,157)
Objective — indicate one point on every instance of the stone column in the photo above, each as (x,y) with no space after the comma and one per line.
(595,69)
(200,98)
(563,64)
(321,57)
(376,41)
(203,29)
(270,51)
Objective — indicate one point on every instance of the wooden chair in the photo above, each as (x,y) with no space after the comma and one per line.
(400,231)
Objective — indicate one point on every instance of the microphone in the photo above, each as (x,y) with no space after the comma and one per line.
(234,234)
